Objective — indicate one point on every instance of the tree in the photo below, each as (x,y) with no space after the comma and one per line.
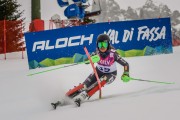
(9,11)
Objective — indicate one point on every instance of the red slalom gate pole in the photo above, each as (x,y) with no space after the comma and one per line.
(95,72)
(5,38)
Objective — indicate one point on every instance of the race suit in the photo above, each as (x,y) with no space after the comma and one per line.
(106,68)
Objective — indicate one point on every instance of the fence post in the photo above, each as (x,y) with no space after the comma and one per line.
(5,38)
(62,23)
(21,39)
(50,25)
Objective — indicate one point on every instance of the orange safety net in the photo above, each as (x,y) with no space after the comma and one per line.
(11,36)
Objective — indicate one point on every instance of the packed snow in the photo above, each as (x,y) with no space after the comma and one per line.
(28,97)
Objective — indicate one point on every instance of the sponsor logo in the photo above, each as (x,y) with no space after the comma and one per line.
(113,35)
(105,62)
(62,42)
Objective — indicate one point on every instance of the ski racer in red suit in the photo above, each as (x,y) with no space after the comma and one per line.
(106,70)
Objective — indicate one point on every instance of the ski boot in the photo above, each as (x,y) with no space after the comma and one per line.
(78,99)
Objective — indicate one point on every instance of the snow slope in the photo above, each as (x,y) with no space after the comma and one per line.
(25,97)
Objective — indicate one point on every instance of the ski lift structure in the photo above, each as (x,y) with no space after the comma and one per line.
(76,13)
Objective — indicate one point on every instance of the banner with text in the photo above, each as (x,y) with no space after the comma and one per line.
(130,38)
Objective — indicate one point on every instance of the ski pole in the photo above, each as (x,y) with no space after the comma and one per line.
(152,81)
(94,58)
(52,69)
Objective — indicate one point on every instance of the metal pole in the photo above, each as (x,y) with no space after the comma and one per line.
(35,9)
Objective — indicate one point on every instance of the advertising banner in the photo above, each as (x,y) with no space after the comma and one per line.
(130,38)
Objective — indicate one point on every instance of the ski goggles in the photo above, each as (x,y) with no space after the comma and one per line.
(102,44)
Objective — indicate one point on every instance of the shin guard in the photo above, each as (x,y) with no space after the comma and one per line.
(96,88)
(75,90)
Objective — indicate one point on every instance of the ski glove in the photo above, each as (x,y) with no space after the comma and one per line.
(87,62)
(125,77)
(94,59)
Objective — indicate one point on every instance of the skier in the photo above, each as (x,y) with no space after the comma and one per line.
(106,70)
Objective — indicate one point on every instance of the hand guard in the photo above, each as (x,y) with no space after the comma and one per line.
(87,62)
(125,77)
(94,59)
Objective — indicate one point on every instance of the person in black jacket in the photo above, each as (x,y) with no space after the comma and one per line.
(106,70)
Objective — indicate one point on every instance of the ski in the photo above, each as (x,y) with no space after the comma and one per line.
(54,105)
(59,104)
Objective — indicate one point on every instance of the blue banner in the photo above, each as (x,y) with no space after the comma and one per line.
(130,38)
